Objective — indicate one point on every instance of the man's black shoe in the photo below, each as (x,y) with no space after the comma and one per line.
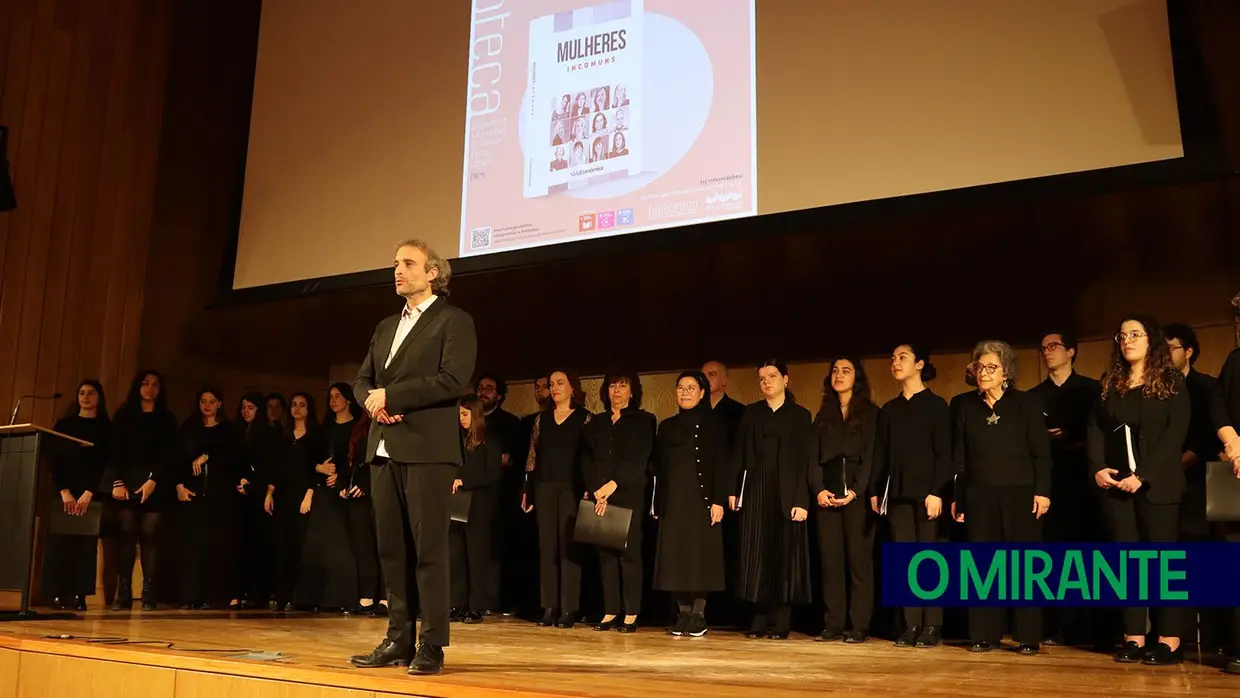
(387,653)
(429,660)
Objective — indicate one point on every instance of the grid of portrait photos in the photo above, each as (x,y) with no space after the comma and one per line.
(589,126)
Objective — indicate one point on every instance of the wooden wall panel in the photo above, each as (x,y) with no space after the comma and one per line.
(195,684)
(83,95)
(54,676)
(10,660)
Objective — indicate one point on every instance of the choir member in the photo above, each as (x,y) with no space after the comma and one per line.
(1002,456)
(327,576)
(208,516)
(691,488)
(473,568)
(354,488)
(1144,403)
(729,409)
(728,606)
(838,481)
(78,474)
(1067,398)
(774,445)
(145,452)
(1225,411)
(554,479)
(912,472)
(277,413)
(258,445)
(616,464)
(292,483)
(504,426)
(518,543)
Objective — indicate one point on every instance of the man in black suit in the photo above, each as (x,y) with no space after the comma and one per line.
(728,409)
(420,361)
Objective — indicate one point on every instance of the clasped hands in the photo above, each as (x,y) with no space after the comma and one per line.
(376,406)
(601,495)
(827,498)
(1106,480)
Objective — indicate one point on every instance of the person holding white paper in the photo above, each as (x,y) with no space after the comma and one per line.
(1134,440)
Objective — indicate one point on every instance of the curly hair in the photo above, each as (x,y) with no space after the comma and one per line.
(830,412)
(617,376)
(1159,379)
(439,284)
(1006,354)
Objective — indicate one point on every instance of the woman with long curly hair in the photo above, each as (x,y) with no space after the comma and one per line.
(1134,439)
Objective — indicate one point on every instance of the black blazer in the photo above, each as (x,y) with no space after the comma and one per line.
(482,466)
(795,427)
(431,369)
(706,431)
(1164,424)
(619,451)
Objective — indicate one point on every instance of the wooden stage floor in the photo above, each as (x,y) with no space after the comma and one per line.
(504,657)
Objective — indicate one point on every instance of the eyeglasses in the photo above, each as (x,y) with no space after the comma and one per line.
(986,369)
(1173,347)
(687,388)
(1051,346)
(1129,336)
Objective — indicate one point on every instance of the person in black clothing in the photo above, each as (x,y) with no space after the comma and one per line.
(774,446)
(145,451)
(616,463)
(728,409)
(1144,403)
(508,433)
(1225,412)
(729,609)
(353,484)
(691,489)
(327,577)
(518,544)
(78,474)
(277,413)
(258,447)
(1002,455)
(1067,398)
(554,477)
(301,450)
(208,516)
(473,567)
(838,481)
(912,473)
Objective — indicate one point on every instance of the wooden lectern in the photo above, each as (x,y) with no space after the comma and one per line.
(23,448)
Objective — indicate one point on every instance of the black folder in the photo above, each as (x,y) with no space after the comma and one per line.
(64,524)
(611,530)
(458,505)
(1222,492)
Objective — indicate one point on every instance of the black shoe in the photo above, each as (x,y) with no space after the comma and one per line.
(548,618)
(124,598)
(778,635)
(678,628)
(1162,655)
(378,610)
(696,625)
(930,636)
(605,625)
(79,603)
(1130,653)
(1028,649)
(626,627)
(981,646)
(428,660)
(471,618)
(455,615)
(856,637)
(1054,640)
(830,635)
(59,603)
(1233,667)
(755,634)
(566,621)
(909,638)
(388,653)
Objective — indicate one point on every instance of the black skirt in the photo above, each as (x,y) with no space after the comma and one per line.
(774,552)
(328,574)
(689,555)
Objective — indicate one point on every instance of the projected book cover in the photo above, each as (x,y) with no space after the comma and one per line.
(588,119)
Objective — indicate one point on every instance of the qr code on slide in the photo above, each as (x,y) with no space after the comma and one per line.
(480,238)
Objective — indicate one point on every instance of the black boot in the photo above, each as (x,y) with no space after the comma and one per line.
(124,597)
(148,596)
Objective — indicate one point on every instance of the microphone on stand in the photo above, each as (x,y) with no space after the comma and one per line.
(18,406)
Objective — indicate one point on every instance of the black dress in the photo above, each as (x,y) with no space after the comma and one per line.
(773,450)
(328,573)
(691,467)
(70,561)
(208,526)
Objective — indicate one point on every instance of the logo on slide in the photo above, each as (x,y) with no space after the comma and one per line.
(624,216)
(606,219)
(585,222)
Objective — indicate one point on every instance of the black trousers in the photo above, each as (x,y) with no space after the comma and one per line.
(621,570)
(846,547)
(1075,516)
(474,585)
(1003,515)
(257,535)
(360,519)
(411,521)
(559,558)
(1131,518)
(909,525)
(289,536)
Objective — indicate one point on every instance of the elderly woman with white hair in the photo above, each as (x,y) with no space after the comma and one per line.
(1003,460)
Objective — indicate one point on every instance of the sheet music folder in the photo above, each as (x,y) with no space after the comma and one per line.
(611,530)
(64,524)
(1222,492)
(458,505)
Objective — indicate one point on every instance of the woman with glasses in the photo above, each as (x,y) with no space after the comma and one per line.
(690,491)
(774,446)
(912,472)
(1002,454)
(1134,438)
(844,431)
